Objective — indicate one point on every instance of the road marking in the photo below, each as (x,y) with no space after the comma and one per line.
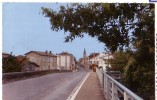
(77,89)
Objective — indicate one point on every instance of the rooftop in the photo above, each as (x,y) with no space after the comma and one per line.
(65,53)
(46,53)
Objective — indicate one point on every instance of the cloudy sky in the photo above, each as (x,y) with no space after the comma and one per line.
(24,29)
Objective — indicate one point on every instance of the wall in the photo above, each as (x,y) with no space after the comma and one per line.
(65,62)
(101,60)
(33,57)
(45,62)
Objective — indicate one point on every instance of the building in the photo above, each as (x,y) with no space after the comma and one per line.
(92,58)
(5,55)
(65,61)
(100,59)
(84,60)
(26,64)
(30,66)
(46,60)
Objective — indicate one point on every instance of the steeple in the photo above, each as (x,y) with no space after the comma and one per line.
(84,53)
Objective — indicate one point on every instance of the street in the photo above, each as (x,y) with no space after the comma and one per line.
(56,86)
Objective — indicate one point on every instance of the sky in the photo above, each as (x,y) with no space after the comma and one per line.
(25,29)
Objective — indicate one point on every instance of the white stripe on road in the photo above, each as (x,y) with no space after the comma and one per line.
(77,89)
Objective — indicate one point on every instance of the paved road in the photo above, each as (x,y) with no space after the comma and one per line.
(49,87)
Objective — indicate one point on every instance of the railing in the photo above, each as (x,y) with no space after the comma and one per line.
(113,90)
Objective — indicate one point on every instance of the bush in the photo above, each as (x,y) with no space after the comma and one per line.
(10,64)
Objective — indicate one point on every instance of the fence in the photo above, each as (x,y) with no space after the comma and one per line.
(113,90)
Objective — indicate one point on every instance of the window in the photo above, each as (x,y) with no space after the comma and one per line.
(48,59)
(52,59)
(44,60)
(33,59)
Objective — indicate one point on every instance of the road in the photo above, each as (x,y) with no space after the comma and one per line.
(56,86)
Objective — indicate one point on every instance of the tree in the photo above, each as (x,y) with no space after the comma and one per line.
(140,77)
(11,64)
(119,61)
(111,24)
(118,26)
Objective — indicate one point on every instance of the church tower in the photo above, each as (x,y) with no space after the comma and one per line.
(85,59)
(84,54)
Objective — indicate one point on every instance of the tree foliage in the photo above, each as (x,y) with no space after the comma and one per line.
(119,61)
(119,26)
(111,23)
(11,64)
(141,77)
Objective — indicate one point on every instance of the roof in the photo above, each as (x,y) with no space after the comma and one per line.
(22,59)
(92,55)
(20,56)
(42,53)
(33,63)
(65,53)
(4,55)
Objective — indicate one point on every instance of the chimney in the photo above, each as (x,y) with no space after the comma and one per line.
(50,52)
(46,51)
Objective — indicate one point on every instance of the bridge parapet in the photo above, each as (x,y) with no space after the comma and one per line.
(113,90)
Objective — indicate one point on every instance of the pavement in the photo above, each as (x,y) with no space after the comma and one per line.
(91,89)
(57,86)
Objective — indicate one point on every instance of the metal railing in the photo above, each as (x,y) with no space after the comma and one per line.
(113,90)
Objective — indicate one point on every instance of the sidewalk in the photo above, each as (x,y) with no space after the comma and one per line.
(91,89)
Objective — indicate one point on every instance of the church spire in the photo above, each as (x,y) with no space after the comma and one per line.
(84,53)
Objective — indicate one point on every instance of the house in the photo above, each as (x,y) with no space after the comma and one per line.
(30,66)
(46,60)
(26,64)
(92,58)
(5,55)
(100,59)
(65,61)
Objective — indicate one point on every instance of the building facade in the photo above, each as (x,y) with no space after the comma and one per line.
(101,60)
(46,60)
(30,66)
(65,61)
